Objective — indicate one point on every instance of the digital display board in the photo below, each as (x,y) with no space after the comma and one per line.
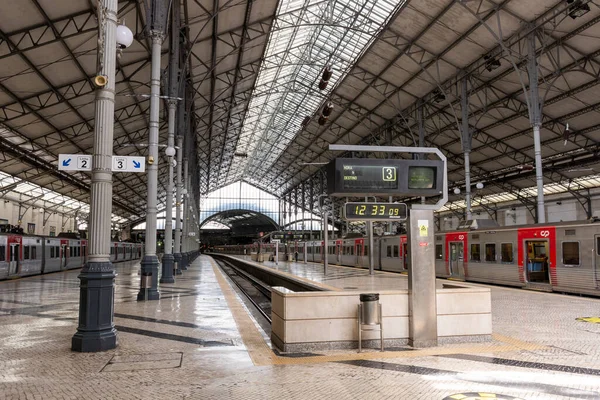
(421,177)
(368,177)
(382,177)
(361,211)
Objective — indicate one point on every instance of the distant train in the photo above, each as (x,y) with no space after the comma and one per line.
(23,255)
(561,257)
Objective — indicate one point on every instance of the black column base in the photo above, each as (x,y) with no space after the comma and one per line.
(96,330)
(184,260)
(149,265)
(167,269)
(177,258)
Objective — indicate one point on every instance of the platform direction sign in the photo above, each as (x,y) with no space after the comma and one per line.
(74,162)
(128,164)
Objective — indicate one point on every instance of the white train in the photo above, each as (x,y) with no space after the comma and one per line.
(562,257)
(23,255)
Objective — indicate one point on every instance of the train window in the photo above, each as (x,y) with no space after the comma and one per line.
(570,253)
(366,250)
(33,253)
(506,252)
(475,236)
(2,253)
(389,251)
(25,252)
(396,251)
(475,252)
(439,252)
(490,252)
(57,251)
(438,238)
(51,252)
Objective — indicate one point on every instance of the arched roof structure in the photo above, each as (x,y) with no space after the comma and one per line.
(435,72)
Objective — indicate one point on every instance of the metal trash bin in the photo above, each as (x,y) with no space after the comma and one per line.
(146,280)
(370,308)
(370,317)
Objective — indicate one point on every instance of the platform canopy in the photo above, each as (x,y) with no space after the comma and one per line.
(253,69)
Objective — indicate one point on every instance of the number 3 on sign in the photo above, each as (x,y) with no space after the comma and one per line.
(389,174)
(119,163)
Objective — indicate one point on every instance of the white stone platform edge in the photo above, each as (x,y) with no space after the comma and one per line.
(303,321)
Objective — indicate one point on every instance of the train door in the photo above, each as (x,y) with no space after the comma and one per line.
(537,257)
(14,264)
(405,256)
(456,259)
(456,243)
(338,251)
(64,253)
(536,260)
(597,259)
(358,251)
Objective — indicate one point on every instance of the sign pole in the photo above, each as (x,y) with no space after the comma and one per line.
(371,245)
(421,279)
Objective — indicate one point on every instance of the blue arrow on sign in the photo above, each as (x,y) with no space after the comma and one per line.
(66,162)
(136,164)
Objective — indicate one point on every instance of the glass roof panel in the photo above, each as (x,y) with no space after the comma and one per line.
(307,36)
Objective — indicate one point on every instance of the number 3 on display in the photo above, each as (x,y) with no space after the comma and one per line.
(389,174)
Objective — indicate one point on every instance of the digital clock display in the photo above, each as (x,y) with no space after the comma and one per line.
(367,177)
(421,177)
(375,211)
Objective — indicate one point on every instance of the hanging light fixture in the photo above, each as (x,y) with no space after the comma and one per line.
(491,63)
(566,134)
(578,8)
(327,72)
(327,109)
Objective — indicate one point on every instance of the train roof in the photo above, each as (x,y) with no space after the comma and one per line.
(484,227)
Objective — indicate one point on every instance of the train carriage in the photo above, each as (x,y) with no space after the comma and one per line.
(563,257)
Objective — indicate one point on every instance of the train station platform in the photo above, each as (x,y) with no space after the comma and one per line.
(338,277)
(199,341)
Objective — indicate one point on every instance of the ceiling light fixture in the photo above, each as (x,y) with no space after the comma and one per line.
(578,8)
(566,134)
(305,122)
(327,72)
(491,63)
(438,96)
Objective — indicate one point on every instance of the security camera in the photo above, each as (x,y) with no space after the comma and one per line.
(124,37)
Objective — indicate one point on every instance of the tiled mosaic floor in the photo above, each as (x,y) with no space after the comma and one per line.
(198,342)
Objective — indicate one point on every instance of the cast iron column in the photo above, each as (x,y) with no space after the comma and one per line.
(96,330)
(168,260)
(178,201)
(535,117)
(150,261)
(186,217)
(466,144)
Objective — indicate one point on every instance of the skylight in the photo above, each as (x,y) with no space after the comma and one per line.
(307,35)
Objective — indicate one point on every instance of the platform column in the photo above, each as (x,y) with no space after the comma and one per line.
(168,261)
(96,330)
(535,118)
(186,217)
(150,262)
(421,280)
(178,201)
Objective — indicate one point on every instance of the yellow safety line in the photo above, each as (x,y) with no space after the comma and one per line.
(261,354)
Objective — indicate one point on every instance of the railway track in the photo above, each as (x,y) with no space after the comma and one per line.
(257,292)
